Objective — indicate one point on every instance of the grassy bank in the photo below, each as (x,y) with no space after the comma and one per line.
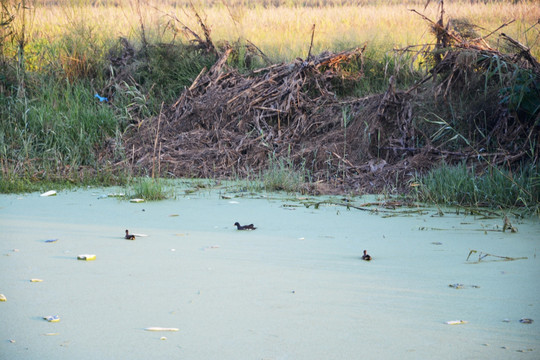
(55,57)
(492,187)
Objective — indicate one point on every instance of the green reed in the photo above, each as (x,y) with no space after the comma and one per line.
(493,187)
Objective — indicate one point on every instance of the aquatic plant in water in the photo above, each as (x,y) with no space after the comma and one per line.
(149,189)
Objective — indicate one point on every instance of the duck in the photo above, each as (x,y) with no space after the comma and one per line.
(244,227)
(129,236)
(366,256)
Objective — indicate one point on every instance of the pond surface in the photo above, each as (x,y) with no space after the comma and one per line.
(295,288)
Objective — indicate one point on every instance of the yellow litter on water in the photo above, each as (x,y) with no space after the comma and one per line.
(51,318)
(36,280)
(86,257)
(51,334)
(160,329)
(3,297)
(456,322)
(136,200)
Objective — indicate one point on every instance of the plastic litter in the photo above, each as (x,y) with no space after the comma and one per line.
(49,193)
(86,257)
(101,98)
(136,200)
(456,322)
(51,240)
(52,318)
(526,321)
(36,280)
(160,329)
(3,297)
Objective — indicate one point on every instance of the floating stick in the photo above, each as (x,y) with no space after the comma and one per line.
(483,255)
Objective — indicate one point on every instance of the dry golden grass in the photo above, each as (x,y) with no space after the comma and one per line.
(284,32)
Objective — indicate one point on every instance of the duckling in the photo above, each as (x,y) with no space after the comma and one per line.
(366,256)
(244,227)
(129,236)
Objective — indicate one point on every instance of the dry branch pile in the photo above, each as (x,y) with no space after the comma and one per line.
(228,124)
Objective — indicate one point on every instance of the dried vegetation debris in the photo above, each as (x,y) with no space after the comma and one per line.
(228,124)
(496,94)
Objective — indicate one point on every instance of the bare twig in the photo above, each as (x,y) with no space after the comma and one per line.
(156,141)
(311,43)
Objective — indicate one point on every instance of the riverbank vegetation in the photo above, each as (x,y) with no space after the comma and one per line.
(363,96)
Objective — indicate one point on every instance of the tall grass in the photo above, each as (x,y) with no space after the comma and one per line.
(62,123)
(495,187)
(283,175)
(166,70)
(149,189)
(284,32)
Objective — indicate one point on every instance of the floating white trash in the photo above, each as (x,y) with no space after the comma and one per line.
(86,257)
(456,322)
(160,329)
(3,297)
(137,200)
(49,193)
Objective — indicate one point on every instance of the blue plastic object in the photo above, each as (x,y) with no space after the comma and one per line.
(101,98)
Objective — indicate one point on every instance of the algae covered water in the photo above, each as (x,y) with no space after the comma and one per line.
(294,288)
